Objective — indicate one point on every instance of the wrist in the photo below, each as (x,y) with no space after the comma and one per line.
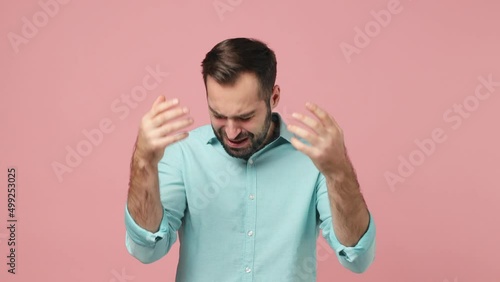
(143,160)
(343,172)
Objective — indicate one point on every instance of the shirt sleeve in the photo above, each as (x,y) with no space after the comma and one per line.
(357,258)
(147,246)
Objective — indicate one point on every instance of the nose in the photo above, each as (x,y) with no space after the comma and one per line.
(232,129)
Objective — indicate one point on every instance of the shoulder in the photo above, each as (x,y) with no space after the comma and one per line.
(197,138)
(193,144)
(201,134)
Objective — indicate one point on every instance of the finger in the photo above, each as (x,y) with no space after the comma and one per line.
(172,127)
(307,150)
(322,115)
(163,106)
(158,100)
(312,138)
(312,123)
(169,115)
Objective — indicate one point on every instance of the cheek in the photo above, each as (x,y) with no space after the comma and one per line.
(254,127)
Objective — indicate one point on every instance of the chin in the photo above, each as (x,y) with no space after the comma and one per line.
(240,153)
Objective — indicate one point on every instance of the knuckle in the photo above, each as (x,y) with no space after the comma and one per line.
(180,111)
(155,145)
(316,154)
(159,121)
(171,140)
(166,129)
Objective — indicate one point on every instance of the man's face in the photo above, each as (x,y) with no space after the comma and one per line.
(240,119)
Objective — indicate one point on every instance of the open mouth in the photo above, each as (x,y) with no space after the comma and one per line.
(237,143)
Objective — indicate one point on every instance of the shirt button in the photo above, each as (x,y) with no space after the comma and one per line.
(251,197)
(250,233)
(248,269)
(250,162)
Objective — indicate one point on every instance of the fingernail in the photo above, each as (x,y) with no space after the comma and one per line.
(175,101)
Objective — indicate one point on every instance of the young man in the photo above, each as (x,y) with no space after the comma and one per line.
(247,194)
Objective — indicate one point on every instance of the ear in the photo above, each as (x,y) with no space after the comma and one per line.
(275,97)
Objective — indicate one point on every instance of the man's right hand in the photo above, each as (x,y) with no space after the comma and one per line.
(156,132)
(157,129)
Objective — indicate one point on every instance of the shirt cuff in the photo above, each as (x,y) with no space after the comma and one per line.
(365,245)
(356,258)
(142,236)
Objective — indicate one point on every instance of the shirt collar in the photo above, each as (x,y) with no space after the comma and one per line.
(284,133)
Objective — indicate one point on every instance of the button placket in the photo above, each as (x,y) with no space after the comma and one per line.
(250,219)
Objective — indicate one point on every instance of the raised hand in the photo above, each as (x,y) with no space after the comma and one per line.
(159,128)
(326,149)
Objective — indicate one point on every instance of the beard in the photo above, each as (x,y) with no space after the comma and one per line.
(256,141)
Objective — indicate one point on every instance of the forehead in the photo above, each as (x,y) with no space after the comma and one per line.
(231,100)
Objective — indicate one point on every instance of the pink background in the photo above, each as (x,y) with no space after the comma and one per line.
(440,224)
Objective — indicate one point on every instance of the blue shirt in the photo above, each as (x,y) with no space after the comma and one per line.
(237,220)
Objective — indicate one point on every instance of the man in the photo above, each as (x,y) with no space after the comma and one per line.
(246,196)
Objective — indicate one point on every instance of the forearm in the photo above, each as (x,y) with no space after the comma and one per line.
(143,200)
(349,211)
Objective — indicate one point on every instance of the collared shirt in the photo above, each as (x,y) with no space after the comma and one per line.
(238,220)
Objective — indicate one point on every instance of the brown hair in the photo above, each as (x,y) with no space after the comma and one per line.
(230,58)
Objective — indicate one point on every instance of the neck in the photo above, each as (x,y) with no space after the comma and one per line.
(274,131)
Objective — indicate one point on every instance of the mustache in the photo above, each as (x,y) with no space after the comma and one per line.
(240,136)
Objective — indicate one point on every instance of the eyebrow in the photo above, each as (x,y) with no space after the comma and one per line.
(239,116)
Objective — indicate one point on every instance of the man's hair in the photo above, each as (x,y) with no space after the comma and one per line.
(230,58)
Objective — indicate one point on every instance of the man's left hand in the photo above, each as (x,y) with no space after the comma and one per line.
(326,139)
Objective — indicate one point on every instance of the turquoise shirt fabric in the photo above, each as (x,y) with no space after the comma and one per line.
(237,220)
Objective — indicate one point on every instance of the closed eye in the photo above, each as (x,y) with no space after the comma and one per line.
(219,117)
(239,118)
(245,118)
